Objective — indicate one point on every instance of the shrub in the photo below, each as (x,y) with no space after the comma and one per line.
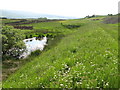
(26,37)
(12,42)
(31,36)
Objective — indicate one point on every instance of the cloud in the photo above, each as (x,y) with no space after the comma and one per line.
(77,8)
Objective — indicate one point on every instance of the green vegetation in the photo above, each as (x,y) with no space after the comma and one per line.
(9,20)
(12,42)
(77,57)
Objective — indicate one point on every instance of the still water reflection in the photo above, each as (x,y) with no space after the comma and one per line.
(33,44)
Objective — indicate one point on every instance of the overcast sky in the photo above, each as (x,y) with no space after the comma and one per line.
(75,8)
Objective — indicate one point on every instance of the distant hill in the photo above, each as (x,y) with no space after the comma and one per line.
(23,14)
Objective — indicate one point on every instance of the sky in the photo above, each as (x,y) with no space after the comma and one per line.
(74,8)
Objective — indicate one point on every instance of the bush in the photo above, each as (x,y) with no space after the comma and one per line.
(12,42)
(26,37)
(31,36)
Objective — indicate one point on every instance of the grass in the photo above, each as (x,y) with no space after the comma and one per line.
(86,57)
(8,20)
(49,27)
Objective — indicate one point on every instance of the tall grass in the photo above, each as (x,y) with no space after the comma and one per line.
(85,58)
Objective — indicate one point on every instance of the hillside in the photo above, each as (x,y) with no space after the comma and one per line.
(24,14)
(86,57)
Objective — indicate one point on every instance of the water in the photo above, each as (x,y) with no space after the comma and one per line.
(32,45)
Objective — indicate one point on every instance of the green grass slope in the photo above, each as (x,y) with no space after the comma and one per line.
(86,58)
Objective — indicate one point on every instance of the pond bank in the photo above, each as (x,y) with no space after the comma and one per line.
(11,66)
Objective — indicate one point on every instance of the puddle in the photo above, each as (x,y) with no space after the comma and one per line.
(32,45)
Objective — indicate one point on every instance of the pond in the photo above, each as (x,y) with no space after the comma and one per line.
(33,44)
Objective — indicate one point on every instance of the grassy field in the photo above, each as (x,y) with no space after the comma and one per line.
(8,20)
(86,57)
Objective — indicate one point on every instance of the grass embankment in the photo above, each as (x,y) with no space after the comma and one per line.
(88,57)
(54,29)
